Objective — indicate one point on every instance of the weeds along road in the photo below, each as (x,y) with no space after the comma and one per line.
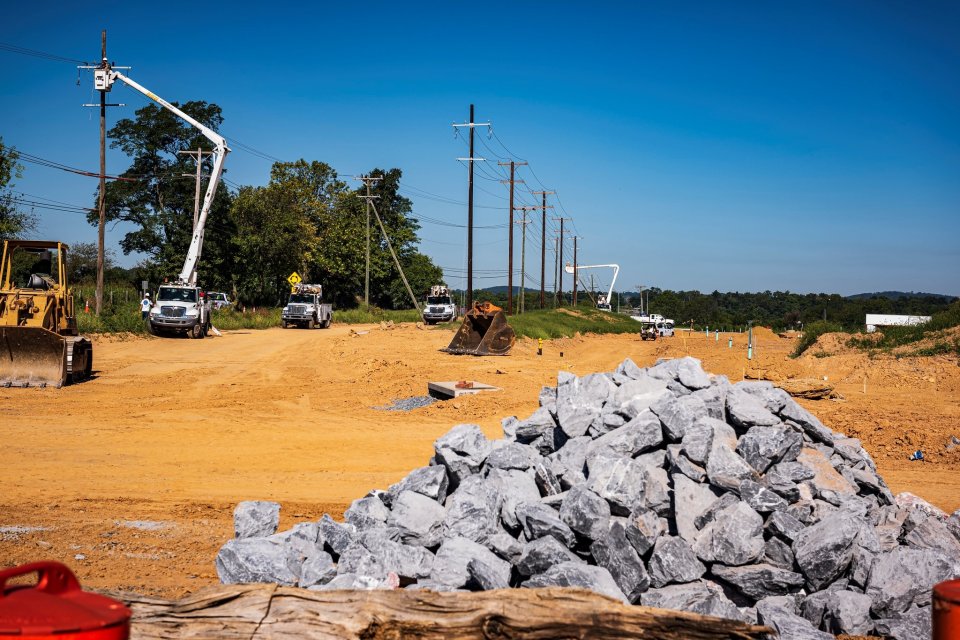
(132,476)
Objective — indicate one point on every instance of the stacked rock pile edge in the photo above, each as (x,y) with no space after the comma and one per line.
(665,487)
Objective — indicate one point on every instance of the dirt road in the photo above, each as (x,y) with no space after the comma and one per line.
(131,477)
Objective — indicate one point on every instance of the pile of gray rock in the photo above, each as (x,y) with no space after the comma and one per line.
(665,487)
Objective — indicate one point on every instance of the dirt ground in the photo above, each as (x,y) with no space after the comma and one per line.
(131,477)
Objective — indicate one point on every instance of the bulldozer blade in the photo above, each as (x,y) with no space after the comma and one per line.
(486,334)
(32,357)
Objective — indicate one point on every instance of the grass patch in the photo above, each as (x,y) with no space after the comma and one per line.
(115,318)
(811,332)
(563,323)
(374,314)
(892,337)
(230,319)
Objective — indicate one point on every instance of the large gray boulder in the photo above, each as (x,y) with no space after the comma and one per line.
(256,519)
(913,624)
(473,510)
(823,551)
(618,480)
(419,519)
(762,447)
(430,481)
(905,576)
(643,527)
(690,374)
(701,597)
(511,455)
(515,488)
(338,536)
(673,560)
(640,434)
(690,501)
(541,554)
(367,513)
(615,554)
(745,410)
(734,537)
(451,564)
(697,441)
(847,612)
(585,512)
(243,560)
(462,450)
(679,414)
(759,581)
(783,618)
(573,574)
(317,569)
(538,520)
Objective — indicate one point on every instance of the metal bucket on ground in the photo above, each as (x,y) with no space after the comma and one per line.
(484,332)
(56,608)
(946,610)
(32,356)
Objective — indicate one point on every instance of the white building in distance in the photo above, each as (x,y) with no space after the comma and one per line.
(875,320)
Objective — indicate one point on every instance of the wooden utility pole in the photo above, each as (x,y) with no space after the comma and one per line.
(523,254)
(575,271)
(368,198)
(513,166)
(471,125)
(102,223)
(560,262)
(198,156)
(543,246)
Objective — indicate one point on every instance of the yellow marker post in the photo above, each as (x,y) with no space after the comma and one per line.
(539,346)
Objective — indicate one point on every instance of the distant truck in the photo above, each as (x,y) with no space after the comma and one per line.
(218,300)
(440,306)
(306,308)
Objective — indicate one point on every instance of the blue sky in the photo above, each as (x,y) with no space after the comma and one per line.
(733,146)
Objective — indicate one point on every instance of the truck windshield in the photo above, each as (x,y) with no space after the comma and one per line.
(301,298)
(174,294)
(439,300)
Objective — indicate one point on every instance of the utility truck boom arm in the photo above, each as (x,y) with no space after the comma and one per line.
(104,78)
(615,267)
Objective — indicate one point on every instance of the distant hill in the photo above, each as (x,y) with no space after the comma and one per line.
(897,295)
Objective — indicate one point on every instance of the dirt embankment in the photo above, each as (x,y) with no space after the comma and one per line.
(131,477)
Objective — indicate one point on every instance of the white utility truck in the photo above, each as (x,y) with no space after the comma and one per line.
(603,301)
(440,306)
(306,308)
(179,306)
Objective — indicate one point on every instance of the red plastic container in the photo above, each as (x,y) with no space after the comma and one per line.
(56,608)
(946,610)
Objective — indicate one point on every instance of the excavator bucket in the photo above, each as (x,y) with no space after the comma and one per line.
(32,357)
(484,332)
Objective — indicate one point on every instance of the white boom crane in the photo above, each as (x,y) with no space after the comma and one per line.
(604,302)
(104,77)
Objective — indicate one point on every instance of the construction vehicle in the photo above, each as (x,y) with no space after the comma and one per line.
(603,301)
(649,330)
(306,308)
(40,344)
(179,306)
(484,332)
(440,306)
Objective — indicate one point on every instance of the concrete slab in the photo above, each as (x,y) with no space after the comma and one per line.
(448,390)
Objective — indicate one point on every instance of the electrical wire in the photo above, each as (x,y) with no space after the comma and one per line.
(13,48)
(52,164)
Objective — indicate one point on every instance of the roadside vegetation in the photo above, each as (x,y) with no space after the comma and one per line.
(564,323)
(810,334)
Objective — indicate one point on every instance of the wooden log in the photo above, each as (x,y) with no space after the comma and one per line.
(267,612)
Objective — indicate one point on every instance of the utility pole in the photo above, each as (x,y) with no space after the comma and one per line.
(513,166)
(198,156)
(523,254)
(560,260)
(102,222)
(367,198)
(471,125)
(556,268)
(543,245)
(640,290)
(575,238)
(396,261)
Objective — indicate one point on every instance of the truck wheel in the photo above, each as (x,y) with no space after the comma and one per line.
(196,332)
(311,324)
(326,323)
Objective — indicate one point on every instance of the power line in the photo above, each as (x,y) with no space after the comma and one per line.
(13,48)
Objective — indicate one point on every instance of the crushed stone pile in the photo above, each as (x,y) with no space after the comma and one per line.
(665,487)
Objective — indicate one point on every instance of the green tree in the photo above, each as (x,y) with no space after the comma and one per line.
(159,201)
(14,223)
(82,262)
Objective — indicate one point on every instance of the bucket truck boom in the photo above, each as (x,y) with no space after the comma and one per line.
(179,306)
(103,78)
(603,302)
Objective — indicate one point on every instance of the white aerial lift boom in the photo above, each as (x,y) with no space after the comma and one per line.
(603,301)
(103,78)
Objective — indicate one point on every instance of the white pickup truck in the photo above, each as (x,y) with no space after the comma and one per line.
(306,309)
(180,308)
(439,306)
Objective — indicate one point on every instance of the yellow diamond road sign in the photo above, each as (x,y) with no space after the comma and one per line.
(294,278)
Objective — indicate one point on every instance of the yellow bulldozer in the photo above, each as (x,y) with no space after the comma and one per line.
(40,344)
(484,332)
